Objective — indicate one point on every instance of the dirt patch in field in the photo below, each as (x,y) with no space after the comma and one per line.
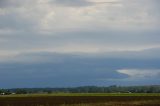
(81,101)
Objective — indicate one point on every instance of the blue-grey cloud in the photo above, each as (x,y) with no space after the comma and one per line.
(54,70)
(84,42)
(48,40)
(11,3)
(4,3)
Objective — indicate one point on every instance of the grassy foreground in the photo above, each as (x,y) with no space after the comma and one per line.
(81,99)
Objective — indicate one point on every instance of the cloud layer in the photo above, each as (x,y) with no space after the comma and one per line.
(100,28)
(126,35)
(58,70)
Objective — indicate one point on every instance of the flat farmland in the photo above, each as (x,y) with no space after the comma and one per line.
(81,100)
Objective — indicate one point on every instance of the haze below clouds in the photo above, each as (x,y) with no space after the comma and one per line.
(57,43)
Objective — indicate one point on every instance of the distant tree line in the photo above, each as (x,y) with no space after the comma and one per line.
(5,92)
(85,89)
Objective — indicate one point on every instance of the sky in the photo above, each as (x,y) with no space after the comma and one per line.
(66,43)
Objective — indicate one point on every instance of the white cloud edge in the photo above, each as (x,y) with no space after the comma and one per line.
(140,73)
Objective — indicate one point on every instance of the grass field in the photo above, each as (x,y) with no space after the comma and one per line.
(80,99)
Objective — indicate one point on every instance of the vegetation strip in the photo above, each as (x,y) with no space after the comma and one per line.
(82,94)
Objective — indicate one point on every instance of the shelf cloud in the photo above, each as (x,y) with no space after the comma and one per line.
(102,36)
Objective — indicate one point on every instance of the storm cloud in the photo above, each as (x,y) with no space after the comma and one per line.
(95,39)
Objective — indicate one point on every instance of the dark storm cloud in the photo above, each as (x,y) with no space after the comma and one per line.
(105,38)
(56,70)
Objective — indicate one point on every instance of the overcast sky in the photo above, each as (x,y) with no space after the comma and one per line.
(56,43)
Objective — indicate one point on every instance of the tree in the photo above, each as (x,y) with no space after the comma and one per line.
(21,91)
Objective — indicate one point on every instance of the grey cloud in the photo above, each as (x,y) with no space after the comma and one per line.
(72,3)
(75,3)
(4,3)
(14,21)
(28,26)
(10,3)
(28,41)
(77,70)
(79,3)
(29,17)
